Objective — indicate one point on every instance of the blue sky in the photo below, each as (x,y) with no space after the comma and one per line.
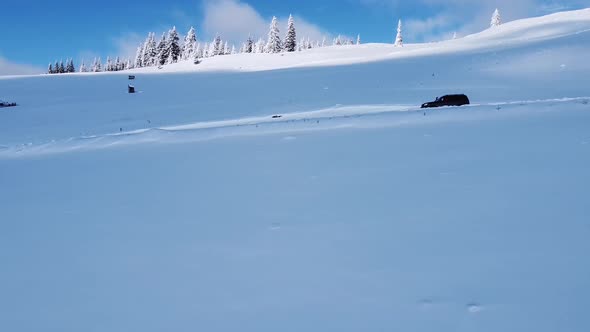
(82,29)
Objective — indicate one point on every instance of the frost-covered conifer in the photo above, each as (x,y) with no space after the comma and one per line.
(62,68)
(139,56)
(249,45)
(50,69)
(198,51)
(70,66)
(399,41)
(153,51)
(260,46)
(170,59)
(83,68)
(291,37)
(98,67)
(162,50)
(190,42)
(146,58)
(273,44)
(358,39)
(216,47)
(496,18)
(109,64)
(173,45)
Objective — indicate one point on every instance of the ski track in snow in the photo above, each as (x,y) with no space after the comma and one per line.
(337,117)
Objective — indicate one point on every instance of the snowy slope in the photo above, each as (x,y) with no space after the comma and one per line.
(189,207)
(550,65)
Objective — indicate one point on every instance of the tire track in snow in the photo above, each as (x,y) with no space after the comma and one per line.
(336,117)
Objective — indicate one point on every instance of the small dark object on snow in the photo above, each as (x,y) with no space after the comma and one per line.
(6,104)
(120,130)
(131,77)
(277,116)
(448,100)
(197,61)
(130,88)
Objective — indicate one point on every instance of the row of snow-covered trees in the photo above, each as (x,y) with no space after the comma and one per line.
(60,68)
(97,66)
(169,48)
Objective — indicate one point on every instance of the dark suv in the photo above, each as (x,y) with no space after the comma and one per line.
(6,104)
(448,100)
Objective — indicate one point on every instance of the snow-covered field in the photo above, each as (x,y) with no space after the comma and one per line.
(187,206)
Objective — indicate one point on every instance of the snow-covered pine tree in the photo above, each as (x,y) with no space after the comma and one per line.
(358,39)
(216,47)
(173,45)
(70,66)
(399,40)
(260,46)
(273,44)
(291,37)
(119,64)
(170,59)
(197,55)
(496,18)
(50,69)
(162,50)
(109,64)
(128,64)
(233,49)
(153,51)
(198,51)
(226,49)
(83,68)
(146,53)
(190,41)
(309,44)
(62,68)
(139,56)
(249,45)
(454,35)
(98,65)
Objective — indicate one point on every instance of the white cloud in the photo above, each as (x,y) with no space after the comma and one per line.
(11,68)
(234,21)
(430,29)
(126,45)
